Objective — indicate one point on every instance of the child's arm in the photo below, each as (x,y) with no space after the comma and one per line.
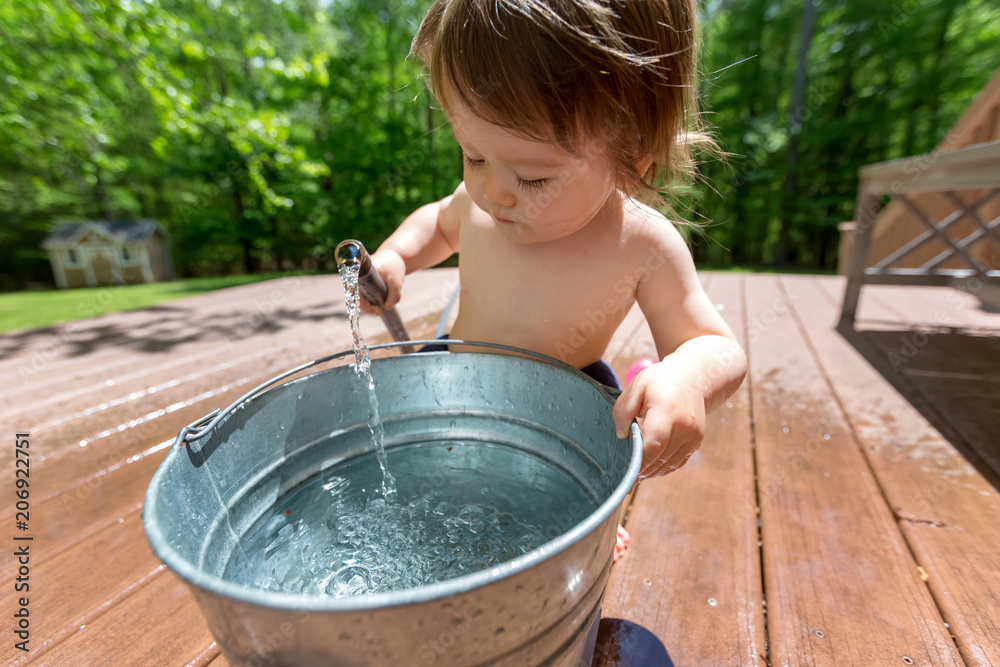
(702,365)
(427,237)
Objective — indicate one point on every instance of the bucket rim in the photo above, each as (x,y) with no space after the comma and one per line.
(216,585)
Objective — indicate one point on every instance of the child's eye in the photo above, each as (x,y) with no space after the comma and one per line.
(536,184)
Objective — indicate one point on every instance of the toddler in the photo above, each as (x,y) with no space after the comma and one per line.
(569,114)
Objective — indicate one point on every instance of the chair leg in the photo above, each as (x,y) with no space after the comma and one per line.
(864,217)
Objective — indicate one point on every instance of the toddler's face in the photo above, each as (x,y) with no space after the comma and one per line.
(534,191)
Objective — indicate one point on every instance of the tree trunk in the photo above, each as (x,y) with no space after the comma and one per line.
(790,186)
(250,264)
(933,91)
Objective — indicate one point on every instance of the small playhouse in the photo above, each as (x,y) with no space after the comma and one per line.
(98,253)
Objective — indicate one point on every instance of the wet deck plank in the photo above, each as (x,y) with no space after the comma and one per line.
(692,569)
(949,514)
(830,598)
(99,588)
(943,356)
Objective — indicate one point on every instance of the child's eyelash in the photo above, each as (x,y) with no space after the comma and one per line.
(536,184)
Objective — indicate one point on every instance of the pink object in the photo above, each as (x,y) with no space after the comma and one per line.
(636,368)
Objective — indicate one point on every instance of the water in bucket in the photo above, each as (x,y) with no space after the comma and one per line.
(347,531)
(335,535)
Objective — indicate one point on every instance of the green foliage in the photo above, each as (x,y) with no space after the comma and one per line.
(261,133)
(883,80)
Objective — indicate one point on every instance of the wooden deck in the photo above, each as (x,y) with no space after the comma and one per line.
(840,511)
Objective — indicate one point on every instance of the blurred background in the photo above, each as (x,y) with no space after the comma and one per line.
(258,134)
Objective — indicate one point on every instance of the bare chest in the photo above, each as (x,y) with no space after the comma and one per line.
(563,298)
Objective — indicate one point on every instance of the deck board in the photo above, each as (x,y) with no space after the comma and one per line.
(159,623)
(693,569)
(949,513)
(837,570)
(71,592)
(841,553)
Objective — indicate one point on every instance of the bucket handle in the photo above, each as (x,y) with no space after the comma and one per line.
(203,426)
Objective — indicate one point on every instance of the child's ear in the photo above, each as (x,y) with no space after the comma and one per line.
(643,164)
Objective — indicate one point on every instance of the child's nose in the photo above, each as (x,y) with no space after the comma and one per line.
(496,191)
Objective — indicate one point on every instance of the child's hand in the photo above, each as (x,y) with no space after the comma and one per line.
(672,413)
(392,268)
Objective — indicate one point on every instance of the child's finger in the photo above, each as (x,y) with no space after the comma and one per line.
(626,409)
(367,307)
(676,461)
(391,297)
(657,432)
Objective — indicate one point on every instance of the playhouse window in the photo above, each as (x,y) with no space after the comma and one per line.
(72,257)
(126,255)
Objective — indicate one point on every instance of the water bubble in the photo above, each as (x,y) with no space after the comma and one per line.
(351,580)
(470,513)
(712,602)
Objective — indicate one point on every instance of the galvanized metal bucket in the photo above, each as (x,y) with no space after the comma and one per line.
(539,609)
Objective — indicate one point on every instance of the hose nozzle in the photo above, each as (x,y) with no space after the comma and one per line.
(372,286)
(352,253)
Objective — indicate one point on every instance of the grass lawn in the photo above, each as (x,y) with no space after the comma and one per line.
(31,309)
(706,266)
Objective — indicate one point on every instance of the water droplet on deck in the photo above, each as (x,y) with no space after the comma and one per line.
(712,602)
(785,430)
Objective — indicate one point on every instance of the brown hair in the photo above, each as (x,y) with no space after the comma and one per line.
(620,71)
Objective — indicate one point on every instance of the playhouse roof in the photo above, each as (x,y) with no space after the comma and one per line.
(125,231)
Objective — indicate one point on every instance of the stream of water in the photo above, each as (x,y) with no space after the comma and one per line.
(362,366)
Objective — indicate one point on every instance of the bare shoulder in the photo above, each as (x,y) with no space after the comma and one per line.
(649,233)
(452,211)
(669,292)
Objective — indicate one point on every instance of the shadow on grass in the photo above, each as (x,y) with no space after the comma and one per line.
(951,376)
(162,327)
